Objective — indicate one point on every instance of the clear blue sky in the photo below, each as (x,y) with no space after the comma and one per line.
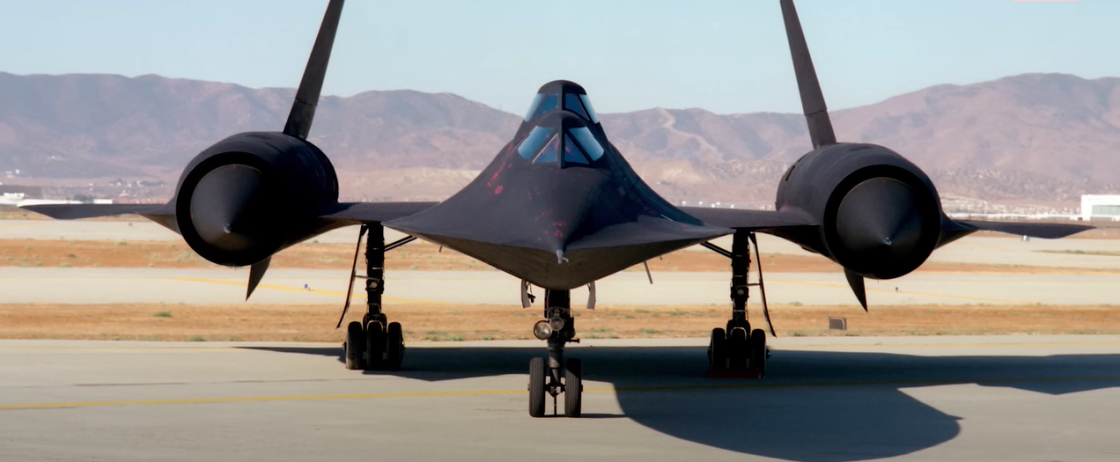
(726,56)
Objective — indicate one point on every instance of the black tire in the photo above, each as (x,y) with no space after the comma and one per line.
(354,346)
(758,351)
(717,349)
(573,388)
(394,348)
(375,346)
(738,348)
(537,373)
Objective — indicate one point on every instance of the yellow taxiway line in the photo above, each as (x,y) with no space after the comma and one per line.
(759,385)
(778,281)
(900,292)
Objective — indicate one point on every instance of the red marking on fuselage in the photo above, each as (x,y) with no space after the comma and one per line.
(495,176)
(499,189)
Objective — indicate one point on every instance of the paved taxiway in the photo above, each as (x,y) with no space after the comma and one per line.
(825,400)
(286,286)
(220,285)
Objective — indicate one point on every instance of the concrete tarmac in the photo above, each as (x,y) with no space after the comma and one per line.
(286,286)
(824,400)
(221,285)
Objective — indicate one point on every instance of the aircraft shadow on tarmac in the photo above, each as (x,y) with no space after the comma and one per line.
(813,407)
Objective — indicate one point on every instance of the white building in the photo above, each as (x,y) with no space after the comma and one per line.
(1100,207)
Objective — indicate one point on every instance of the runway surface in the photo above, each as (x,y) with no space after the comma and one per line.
(220,285)
(825,399)
(286,286)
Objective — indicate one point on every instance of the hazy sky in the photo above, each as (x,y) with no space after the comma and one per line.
(726,56)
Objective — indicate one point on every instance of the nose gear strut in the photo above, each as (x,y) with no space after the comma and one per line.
(556,376)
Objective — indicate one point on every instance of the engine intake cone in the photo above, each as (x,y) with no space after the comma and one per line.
(229,208)
(881,222)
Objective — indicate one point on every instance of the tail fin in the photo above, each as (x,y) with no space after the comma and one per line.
(307,96)
(812,98)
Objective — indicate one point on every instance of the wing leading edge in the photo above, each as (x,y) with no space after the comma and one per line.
(376,212)
(767,220)
(346,212)
(1039,230)
(752,220)
(79,211)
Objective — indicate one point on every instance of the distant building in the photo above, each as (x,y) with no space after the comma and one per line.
(1100,207)
(14,194)
(29,192)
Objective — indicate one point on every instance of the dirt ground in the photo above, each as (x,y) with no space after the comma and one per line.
(440,322)
(414,256)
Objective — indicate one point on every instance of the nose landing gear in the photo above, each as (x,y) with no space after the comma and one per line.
(556,376)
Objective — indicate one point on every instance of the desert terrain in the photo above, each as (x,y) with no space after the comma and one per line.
(71,248)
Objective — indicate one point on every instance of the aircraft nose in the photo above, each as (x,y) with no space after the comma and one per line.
(558,226)
(880,218)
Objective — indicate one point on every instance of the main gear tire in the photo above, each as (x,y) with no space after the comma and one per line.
(375,344)
(355,346)
(758,351)
(394,346)
(573,388)
(717,350)
(738,348)
(538,373)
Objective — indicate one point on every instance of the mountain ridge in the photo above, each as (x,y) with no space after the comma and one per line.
(1030,137)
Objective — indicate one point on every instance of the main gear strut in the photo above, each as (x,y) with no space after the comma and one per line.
(735,347)
(373,343)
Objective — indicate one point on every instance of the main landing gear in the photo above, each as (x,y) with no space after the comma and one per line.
(374,343)
(737,351)
(555,375)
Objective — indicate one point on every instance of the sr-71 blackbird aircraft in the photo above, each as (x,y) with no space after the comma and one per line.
(559,208)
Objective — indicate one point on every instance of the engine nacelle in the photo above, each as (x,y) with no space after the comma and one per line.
(880,214)
(253,194)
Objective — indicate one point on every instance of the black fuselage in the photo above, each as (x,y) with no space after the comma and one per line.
(556,208)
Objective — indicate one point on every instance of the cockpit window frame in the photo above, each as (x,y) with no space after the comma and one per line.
(571,148)
(572,103)
(594,118)
(587,141)
(549,102)
(546,151)
(533,107)
(538,137)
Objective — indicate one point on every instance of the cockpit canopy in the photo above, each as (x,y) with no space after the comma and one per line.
(561,138)
(573,97)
